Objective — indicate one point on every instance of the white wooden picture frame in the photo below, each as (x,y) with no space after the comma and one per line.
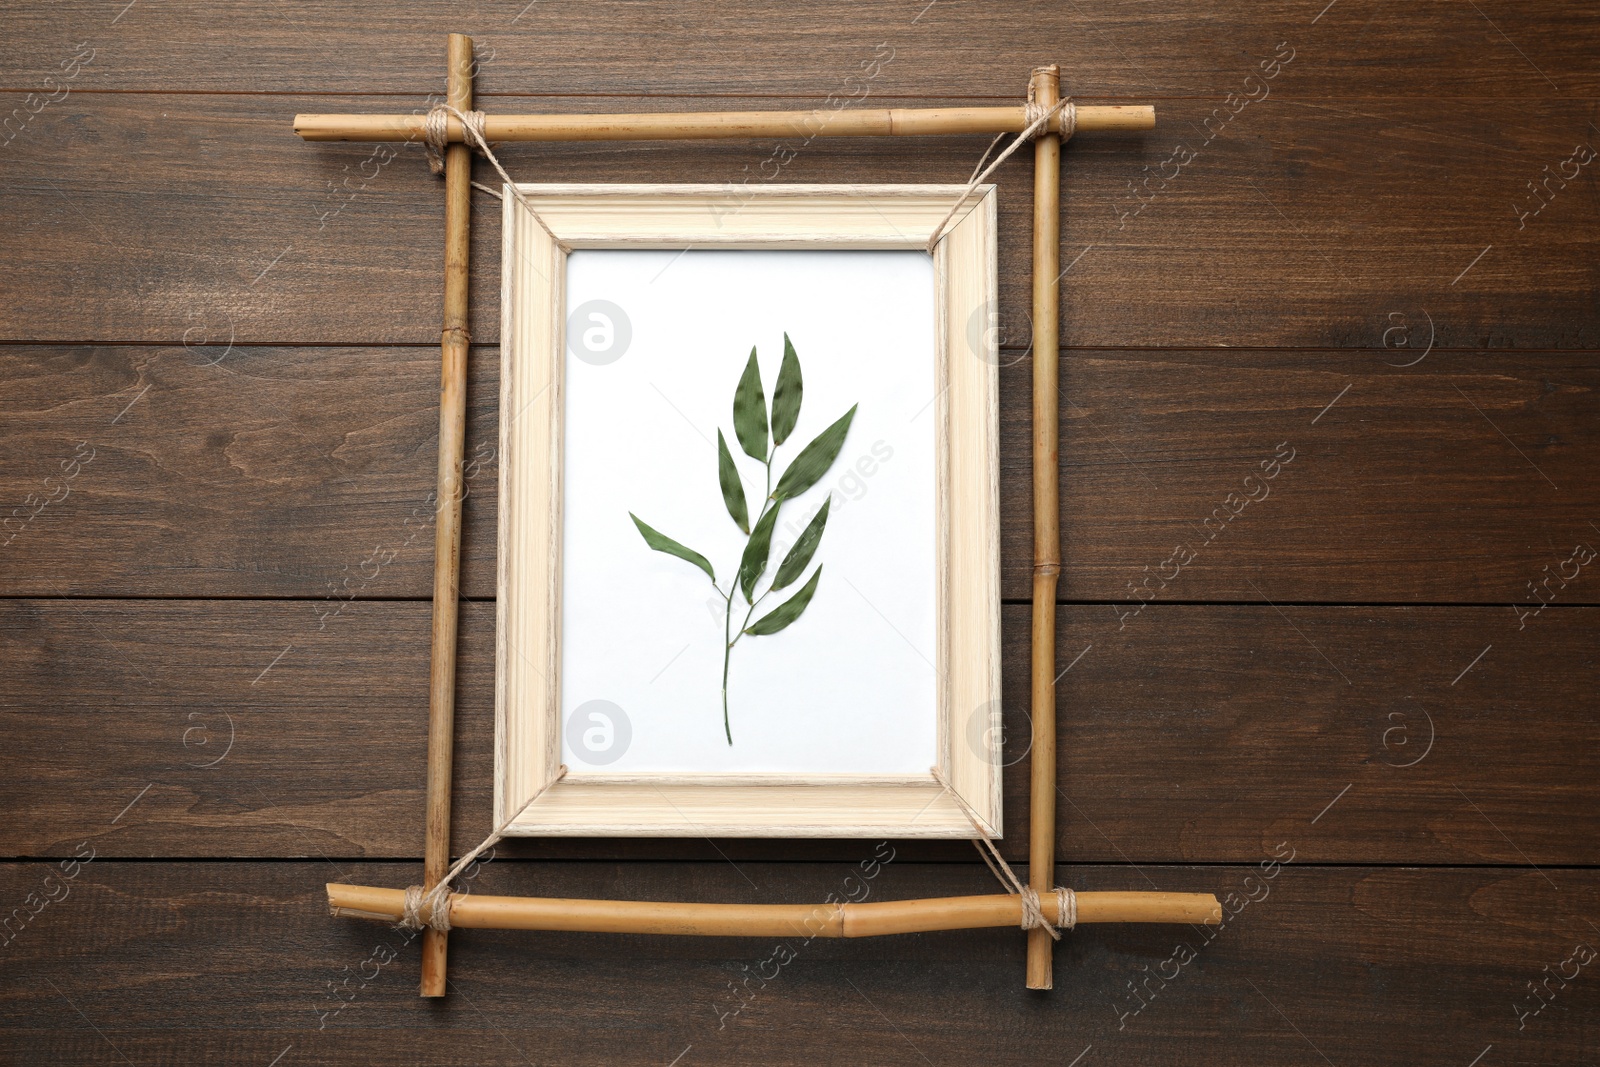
(591,801)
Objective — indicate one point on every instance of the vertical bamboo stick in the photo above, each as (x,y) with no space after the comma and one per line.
(1045,90)
(447,508)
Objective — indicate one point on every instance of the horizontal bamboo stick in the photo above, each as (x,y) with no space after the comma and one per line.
(709,124)
(772,920)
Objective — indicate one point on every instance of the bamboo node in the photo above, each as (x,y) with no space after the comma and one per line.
(1047,568)
(456,335)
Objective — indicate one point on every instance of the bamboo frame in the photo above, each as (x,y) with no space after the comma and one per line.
(771,920)
(837,920)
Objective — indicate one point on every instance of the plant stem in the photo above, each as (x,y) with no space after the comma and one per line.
(727,651)
(747,615)
(728,640)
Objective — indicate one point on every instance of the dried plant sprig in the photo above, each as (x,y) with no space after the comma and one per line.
(759,433)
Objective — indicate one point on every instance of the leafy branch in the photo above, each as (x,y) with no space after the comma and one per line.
(759,437)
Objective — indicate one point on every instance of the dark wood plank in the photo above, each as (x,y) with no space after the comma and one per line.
(238,963)
(1126,48)
(170,218)
(281,471)
(242,472)
(1461,478)
(1195,733)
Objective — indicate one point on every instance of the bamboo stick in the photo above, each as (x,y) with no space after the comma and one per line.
(771,920)
(714,124)
(447,508)
(1044,90)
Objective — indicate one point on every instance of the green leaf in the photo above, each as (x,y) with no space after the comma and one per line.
(732,487)
(799,556)
(754,561)
(750,411)
(786,395)
(782,615)
(815,459)
(662,543)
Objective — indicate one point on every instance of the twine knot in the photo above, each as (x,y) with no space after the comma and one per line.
(1066,907)
(1038,118)
(1038,115)
(1032,913)
(436,132)
(411,913)
(437,899)
(1066,910)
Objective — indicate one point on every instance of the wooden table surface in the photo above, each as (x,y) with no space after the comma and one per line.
(220,369)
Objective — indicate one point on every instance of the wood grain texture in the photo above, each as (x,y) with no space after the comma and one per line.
(1196,733)
(304,472)
(1293,224)
(1122,48)
(235,963)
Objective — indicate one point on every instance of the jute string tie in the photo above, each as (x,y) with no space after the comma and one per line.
(435,135)
(1032,913)
(437,899)
(1038,117)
